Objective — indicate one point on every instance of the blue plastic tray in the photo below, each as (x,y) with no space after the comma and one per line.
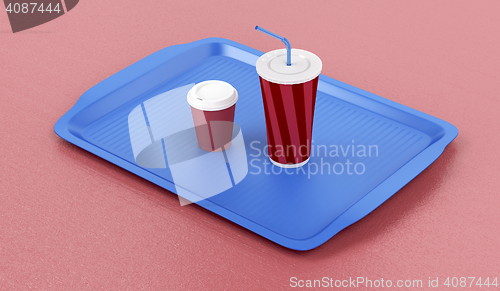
(301,210)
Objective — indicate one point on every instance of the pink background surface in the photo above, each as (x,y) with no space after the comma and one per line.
(70,220)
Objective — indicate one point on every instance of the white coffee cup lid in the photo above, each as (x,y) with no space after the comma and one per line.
(305,66)
(212,95)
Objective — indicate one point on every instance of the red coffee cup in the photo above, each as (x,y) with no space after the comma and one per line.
(213,104)
(289,96)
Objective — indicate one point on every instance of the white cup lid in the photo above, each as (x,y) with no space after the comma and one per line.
(305,66)
(212,95)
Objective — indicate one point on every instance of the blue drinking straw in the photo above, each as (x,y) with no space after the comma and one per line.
(288,47)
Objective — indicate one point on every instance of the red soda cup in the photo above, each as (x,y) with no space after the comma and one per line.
(289,96)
